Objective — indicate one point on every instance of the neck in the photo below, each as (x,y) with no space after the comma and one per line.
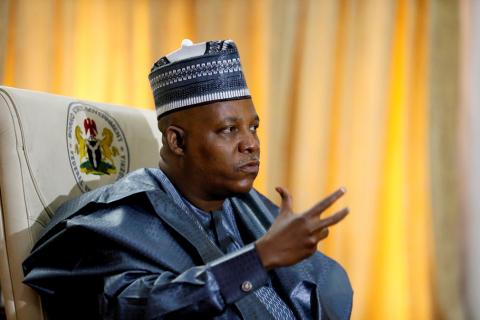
(205,205)
(194,195)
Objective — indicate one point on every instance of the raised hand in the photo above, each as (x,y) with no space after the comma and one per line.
(294,237)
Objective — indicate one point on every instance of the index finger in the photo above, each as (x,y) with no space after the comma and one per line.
(320,207)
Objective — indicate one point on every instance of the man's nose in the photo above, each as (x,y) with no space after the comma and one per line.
(249,143)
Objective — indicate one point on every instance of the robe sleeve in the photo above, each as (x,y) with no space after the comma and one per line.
(199,291)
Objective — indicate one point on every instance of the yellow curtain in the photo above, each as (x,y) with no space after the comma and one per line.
(340,87)
(349,96)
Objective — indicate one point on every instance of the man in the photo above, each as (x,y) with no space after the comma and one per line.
(191,240)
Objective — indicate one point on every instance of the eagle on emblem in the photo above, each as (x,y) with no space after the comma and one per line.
(96,155)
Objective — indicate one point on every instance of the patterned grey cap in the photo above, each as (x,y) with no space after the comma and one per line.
(198,74)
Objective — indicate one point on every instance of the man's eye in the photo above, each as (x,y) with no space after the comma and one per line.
(229,129)
(254,128)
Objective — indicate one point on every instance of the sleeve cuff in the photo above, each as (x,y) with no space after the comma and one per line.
(239,273)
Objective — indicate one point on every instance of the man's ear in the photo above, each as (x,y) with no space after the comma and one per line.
(175,138)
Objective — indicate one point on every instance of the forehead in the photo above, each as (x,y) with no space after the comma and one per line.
(218,112)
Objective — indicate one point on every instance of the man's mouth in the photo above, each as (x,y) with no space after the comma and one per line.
(250,167)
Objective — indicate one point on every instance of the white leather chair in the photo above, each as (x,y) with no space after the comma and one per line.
(53,148)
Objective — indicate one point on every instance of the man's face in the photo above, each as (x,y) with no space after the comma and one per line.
(222,149)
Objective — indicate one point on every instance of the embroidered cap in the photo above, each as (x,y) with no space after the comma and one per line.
(197,74)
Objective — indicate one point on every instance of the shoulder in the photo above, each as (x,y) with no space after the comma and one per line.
(140,180)
(118,193)
(120,215)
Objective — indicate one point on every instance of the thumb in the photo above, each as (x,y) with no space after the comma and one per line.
(286,206)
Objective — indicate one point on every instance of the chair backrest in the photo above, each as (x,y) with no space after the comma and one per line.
(53,148)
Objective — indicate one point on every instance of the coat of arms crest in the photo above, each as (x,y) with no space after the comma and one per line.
(96,154)
(96,145)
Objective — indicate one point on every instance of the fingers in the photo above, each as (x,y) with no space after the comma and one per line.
(317,209)
(286,199)
(331,220)
(322,234)
(322,226)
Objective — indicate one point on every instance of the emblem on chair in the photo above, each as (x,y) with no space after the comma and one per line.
(97,149)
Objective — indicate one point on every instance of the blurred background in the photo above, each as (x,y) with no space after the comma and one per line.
(379,96)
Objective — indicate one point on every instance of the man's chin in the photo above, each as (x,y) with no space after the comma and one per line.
(239,188)
(244,187)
